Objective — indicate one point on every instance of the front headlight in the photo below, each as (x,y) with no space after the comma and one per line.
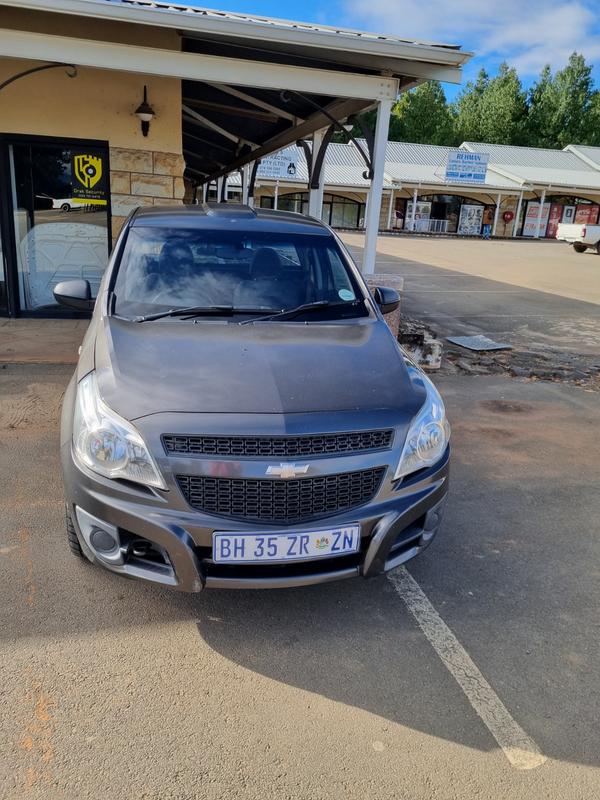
(107,443)
(429,433)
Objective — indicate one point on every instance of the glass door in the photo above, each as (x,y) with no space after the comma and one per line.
(59,204)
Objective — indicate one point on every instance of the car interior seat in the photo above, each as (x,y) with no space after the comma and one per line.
(267,286)
(174,264)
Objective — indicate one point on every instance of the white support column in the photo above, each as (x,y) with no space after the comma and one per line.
(252,200)
(245,179)
(389,222)
(320,192)
(205,192)
(496,212)
(276,195)
(539,219)
(381,134)
(518,214)
(313,194)
(219,189)
(415,197)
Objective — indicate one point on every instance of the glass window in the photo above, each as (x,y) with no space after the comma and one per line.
(60,198)
(173,268)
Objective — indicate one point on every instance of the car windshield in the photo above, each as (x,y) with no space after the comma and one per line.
(251,273)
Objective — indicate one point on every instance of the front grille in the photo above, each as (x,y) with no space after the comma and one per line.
(277,446)
(280,500)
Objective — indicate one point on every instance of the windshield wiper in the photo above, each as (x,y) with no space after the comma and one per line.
(191,310)
(316,306)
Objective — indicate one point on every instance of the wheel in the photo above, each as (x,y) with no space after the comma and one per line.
(74,545)
(579,248)
(166,297)
(65,207)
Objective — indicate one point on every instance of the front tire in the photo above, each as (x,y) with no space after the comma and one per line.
(579,248)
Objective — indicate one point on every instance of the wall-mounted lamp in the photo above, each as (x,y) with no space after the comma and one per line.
(145,112)
(348,126)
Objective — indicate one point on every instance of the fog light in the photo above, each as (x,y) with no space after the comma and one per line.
(102,540)
(431,522)
(101,537)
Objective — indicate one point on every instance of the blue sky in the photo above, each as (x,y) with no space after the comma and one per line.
(525,33)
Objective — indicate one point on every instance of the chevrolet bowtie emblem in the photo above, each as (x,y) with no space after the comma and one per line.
(288,470)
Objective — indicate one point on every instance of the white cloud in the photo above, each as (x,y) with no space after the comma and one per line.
(527,33)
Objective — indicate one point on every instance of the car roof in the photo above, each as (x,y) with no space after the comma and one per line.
(227,216)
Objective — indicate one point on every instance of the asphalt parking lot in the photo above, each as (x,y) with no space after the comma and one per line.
(432,684)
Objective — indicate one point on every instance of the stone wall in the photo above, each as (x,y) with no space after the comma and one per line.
(509,203)
(384,211)
(143,178)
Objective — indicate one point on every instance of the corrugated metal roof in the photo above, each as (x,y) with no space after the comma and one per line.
(425,164)
(538,165)
(194,12)
(536,157)
(590,155)
(408,163)
(189,18)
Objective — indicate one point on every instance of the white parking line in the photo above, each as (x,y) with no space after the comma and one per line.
(519,748)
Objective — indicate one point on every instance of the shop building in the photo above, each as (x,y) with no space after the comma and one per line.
(521,185)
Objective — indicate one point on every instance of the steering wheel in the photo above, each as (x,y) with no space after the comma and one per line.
(166,297)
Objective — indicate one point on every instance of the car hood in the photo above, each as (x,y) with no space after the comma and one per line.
(263,368)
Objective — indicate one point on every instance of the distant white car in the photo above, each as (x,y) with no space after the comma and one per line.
(66,204)
(582,237)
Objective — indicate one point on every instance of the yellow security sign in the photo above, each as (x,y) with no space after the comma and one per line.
(88,170)
(89,178)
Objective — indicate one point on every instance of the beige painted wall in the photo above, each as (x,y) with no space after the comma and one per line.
(97,104)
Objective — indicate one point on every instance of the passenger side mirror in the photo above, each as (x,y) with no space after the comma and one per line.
(75,294)
(387,299)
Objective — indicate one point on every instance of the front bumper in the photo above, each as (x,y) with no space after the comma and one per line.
(401,521)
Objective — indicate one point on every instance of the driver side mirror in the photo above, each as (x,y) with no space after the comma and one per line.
(75,294)
(387,299)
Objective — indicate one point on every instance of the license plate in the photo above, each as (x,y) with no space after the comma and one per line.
(238,548)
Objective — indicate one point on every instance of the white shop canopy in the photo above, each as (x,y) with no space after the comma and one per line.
(252,85)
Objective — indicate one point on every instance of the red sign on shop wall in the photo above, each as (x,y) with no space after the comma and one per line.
(556,211)
(587,214)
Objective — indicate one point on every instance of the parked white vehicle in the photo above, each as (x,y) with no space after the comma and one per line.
(66,204)
(582,237)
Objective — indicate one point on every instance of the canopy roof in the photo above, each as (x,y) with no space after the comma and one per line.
(234,68)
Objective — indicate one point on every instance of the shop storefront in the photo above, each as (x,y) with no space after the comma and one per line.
(55,200)
(558,209)
(439,213)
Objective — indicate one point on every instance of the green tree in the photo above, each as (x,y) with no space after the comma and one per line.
(564,109)
(594,138)
(466,109)
(422,116)
(502,109)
